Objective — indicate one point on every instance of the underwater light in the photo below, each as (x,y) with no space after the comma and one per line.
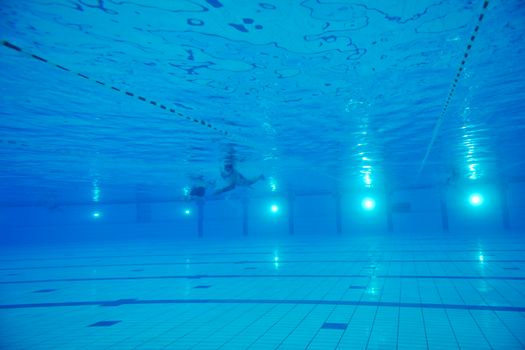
(476,199)
(368,203)
(273,184)
(96,192)
(274,208)
(187,212)
(96,214)
(276,262)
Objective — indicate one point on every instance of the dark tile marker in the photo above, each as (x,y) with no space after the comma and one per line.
(214,3)
(267,6)
(357,287)
(118,302)
(329,325)
(195,22)
(104,324)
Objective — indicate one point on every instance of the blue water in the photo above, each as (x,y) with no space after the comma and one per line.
(385,143)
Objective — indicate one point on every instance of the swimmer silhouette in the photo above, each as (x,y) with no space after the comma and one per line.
(230,179)
(233,178)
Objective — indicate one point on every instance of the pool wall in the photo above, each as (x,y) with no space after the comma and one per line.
(405,211)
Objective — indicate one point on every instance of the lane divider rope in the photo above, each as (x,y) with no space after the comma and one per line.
(124,92)
(453,86)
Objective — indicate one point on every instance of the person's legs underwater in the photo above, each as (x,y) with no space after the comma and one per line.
(243,181)
(225,189)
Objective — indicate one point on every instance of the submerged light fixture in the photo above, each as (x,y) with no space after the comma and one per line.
(274,208)
(273,184)
(368,203)
(476,199)
(96,214)
(96,191)
(187,212)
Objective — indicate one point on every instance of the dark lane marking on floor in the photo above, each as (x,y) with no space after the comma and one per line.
(189,255)
(132,278)
(269,261)
(267,301)
(104,324)
(118,302)
(331,325)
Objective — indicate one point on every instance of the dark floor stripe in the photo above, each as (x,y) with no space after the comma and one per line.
(44,291)
(332,325)
(189,254)
(104,324)
(131,278)
(267,301)
(341,261)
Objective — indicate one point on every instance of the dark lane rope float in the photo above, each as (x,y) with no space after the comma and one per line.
(453,86)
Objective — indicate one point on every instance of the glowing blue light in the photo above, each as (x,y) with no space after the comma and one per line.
(96,191)
(473,170)
(273,184)
(187,212)
(274,208)
(476,199)
(275,258)
(367,180)
(368,203)
(96,194)
(96,214)
(481,258)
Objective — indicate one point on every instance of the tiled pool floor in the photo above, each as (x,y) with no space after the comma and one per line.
(375,293)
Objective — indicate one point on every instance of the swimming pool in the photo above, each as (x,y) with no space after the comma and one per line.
(296,174)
